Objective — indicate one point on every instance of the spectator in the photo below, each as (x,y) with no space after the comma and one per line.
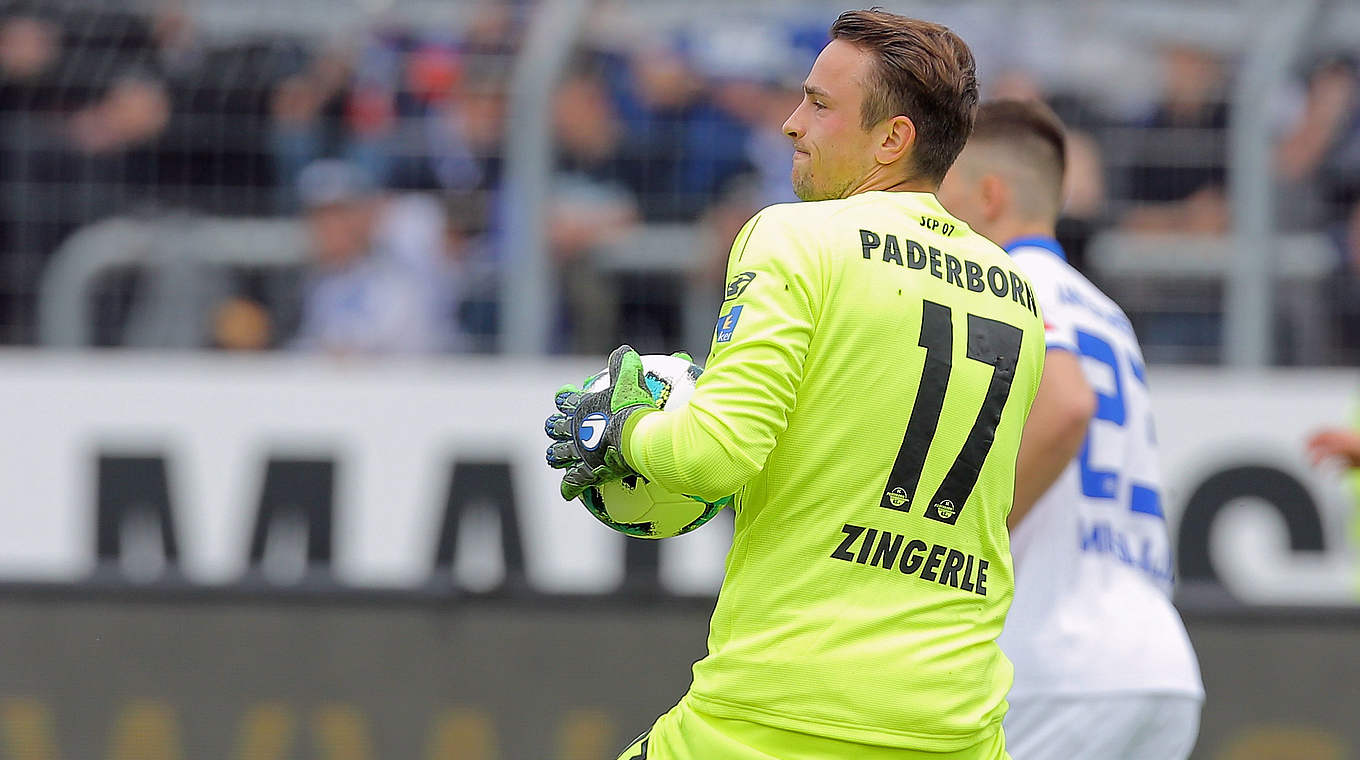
(493,32)
(380,279)
(417,111)
(455,120)
(180,48)
(476,271)
(480,122)
(591,207)
(465,130)
(1318,160)
(681,150)
(121,102)
(756,76)
(757,79)
(84,107)
(29,48)
(200,164)
(1323,145)
(30,45)
(1178,178)
(305,113)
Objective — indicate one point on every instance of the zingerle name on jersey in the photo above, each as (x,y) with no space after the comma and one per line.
(914,557)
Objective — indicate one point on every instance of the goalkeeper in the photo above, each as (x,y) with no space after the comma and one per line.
(870,375)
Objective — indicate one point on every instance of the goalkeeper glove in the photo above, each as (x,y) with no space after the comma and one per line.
(588,428)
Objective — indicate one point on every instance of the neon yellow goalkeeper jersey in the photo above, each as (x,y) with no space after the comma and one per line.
(872,368)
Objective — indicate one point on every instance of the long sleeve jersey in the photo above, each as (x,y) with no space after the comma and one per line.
(871,371)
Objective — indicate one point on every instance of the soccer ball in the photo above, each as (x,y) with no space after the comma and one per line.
(634,505)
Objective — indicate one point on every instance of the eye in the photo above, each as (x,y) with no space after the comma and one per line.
(819,105)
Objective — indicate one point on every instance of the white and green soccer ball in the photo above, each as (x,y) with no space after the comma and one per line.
(634,505)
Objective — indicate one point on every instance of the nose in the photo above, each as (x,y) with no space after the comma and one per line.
(792,128)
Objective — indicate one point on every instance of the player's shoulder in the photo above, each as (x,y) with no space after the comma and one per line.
(801,215)
(810,214)
(779,225)
(810,227)
(1063,285)
(1048,269)
(1045,270)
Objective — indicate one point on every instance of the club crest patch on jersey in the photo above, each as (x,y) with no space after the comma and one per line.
(738,285)
(944,511)
(727,323)
(898,499)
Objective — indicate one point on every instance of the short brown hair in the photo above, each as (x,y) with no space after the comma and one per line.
(1032,134)
(926,73)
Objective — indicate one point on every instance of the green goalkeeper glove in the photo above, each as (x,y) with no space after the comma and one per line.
(588,428)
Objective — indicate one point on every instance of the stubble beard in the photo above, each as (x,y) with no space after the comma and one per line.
(806,189)
(801,186)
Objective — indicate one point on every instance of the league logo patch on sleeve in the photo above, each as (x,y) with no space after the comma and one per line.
(727,323)
(738,285)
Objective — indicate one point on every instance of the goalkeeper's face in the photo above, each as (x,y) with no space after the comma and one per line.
(832,151)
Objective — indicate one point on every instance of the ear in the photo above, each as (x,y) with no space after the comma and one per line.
(996,197)
(898,141)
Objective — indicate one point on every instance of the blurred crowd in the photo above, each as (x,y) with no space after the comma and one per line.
(389,144)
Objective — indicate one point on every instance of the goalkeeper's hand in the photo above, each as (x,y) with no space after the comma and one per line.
(588,427)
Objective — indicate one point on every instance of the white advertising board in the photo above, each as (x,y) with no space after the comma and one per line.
(394,432)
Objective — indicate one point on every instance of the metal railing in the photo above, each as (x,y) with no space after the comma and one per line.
(526,291)
(180,253)
(1197,275)
(1250,308)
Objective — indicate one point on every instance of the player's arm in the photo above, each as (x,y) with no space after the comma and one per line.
(713,446)
(1335,443)
(1065,402)
(1054,432)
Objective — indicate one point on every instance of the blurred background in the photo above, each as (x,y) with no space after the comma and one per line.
(285,288)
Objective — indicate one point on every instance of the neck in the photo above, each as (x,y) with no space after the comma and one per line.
(1004,232)
(880,179)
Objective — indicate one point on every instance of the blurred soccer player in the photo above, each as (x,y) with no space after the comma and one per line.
(1103,667)
(868,384)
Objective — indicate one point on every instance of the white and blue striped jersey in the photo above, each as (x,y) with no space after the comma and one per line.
(1093,562)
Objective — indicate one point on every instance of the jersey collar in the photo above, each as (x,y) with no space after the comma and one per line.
(1037,241)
